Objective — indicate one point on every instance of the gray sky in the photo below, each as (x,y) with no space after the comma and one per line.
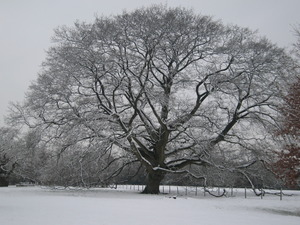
(26,27)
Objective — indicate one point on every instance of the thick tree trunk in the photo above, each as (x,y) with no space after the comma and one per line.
(3,181)
(153,181)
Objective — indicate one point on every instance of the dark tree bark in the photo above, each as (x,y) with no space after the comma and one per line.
(153,181)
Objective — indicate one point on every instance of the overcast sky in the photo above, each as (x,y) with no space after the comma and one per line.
(26,28)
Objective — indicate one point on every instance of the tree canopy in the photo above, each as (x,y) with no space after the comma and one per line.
(161,87)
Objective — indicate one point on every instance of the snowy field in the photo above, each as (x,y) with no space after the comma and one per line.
(45,206)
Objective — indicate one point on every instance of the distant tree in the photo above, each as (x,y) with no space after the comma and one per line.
(4,173)
(35,162)
(291,111)
(161,87)
(30,157)
(288,163)
(8,145)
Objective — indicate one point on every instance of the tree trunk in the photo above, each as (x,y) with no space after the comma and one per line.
(153,181)
(3,181)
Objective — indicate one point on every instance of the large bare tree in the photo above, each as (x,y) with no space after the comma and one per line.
(163,87)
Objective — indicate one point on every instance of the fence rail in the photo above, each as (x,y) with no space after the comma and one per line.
(208,191)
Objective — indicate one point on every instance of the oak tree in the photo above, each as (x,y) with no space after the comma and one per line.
(162,87)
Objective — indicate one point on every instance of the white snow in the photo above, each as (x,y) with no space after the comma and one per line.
(45,206)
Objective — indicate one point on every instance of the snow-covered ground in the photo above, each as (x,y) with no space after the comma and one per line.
(45,206)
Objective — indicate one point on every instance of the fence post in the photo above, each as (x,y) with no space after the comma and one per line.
(280,194)
(231,191)
(245,192)
(177,191)
(169,189)
(196,191)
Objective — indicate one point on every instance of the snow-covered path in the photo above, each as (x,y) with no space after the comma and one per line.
(43,206)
